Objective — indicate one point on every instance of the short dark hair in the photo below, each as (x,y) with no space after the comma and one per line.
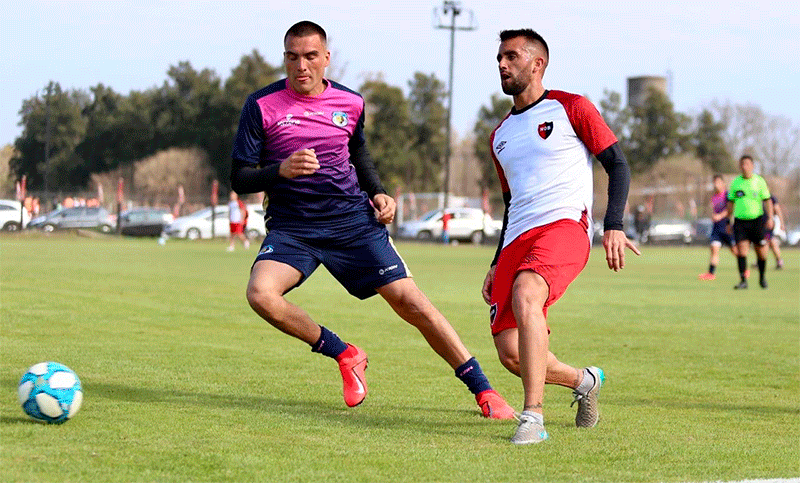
(717,176)
(529,34)
(305,28)
(746,156)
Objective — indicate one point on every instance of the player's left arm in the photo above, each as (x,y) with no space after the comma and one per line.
(601,141)
(368,178)
(769,209)
(619,178)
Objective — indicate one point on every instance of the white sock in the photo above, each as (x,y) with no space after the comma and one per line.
(587,383)
(539,418)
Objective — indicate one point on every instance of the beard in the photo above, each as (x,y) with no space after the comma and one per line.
(514,86)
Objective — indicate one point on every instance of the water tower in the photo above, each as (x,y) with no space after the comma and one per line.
(639,88)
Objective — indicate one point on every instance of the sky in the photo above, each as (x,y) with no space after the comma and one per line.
(725,51)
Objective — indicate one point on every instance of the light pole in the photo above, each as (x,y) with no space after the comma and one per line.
(453,9)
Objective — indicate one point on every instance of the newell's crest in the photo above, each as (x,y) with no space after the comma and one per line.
(545,129)
(339,118)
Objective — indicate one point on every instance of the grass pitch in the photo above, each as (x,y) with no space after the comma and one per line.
(183,382)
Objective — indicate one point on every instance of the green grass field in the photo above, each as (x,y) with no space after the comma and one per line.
(183,382)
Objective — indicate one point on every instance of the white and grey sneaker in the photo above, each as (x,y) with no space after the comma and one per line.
(529,431)
(588,413)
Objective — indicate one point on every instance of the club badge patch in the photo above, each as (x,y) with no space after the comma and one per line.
(545,129)
(339,118)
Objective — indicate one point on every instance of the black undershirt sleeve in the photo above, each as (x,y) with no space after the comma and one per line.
(507,203)
(619,180)
(368,178)
(247,178)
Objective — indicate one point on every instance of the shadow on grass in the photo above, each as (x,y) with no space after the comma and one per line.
(731,406)
(425,420)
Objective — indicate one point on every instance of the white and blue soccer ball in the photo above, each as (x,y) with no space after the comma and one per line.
(50,392)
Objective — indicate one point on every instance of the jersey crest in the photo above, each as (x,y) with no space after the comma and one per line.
(545,129)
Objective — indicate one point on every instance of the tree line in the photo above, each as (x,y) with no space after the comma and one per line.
(68,135)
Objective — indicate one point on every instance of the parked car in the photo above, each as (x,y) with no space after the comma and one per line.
(12,214)
(144,221)
(668,230)
(198,224)
(467,224)
(76,217)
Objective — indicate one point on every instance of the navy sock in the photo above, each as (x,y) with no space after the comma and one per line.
(712,269)
(472,375)
(329,344)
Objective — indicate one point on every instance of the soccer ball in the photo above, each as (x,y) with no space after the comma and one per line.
(50,392)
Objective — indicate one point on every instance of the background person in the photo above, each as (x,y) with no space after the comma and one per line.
(719,230)
(237,218)
(748,201)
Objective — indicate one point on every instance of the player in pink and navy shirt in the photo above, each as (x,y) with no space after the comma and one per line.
(543,153)
(720,233)
(301,140)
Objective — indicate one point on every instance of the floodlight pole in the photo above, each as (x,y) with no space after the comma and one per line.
(452,8)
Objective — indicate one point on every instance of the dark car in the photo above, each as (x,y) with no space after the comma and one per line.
(77,217)
(144,221)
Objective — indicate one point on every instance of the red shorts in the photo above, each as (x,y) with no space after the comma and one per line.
(237,228)
(557,252)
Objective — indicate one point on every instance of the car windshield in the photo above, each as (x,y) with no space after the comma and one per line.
(427,216)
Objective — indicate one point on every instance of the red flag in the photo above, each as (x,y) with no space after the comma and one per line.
(120,190)
(181,195)
(215,193)
(485,202)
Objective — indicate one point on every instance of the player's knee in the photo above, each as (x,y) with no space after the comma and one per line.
(261,300)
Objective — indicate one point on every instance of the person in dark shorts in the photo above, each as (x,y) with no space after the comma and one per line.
(749,200)
(719,231)
(301,139)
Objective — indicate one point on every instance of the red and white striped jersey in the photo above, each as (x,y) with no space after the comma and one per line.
(543,155)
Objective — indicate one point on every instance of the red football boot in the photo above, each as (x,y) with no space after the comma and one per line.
(352,364)
(494,406)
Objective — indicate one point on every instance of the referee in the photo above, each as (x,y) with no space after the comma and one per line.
(748,200)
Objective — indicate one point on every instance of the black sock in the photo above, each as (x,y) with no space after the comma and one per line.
(472,375)
(712,269)
(329,344)
(762,267)
(742,265)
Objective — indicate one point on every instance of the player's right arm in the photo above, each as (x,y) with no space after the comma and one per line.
(247,174)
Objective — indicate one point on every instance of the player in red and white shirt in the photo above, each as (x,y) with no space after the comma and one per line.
(543,154)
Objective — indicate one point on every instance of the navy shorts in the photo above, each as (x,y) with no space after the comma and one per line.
(720,235)
(360,253)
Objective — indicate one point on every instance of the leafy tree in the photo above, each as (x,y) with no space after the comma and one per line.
(616,116)
(656,131)
(389,134)
(65,169)
(709,145)
(488,119)
(428,117)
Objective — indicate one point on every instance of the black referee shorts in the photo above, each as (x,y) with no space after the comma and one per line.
(749,230)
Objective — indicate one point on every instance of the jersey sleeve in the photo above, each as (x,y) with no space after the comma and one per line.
(249,139)
(587,122)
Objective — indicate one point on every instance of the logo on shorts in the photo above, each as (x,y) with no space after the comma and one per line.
(387,269)
(545,129)
(492,313)
(265,250)
(339,118)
